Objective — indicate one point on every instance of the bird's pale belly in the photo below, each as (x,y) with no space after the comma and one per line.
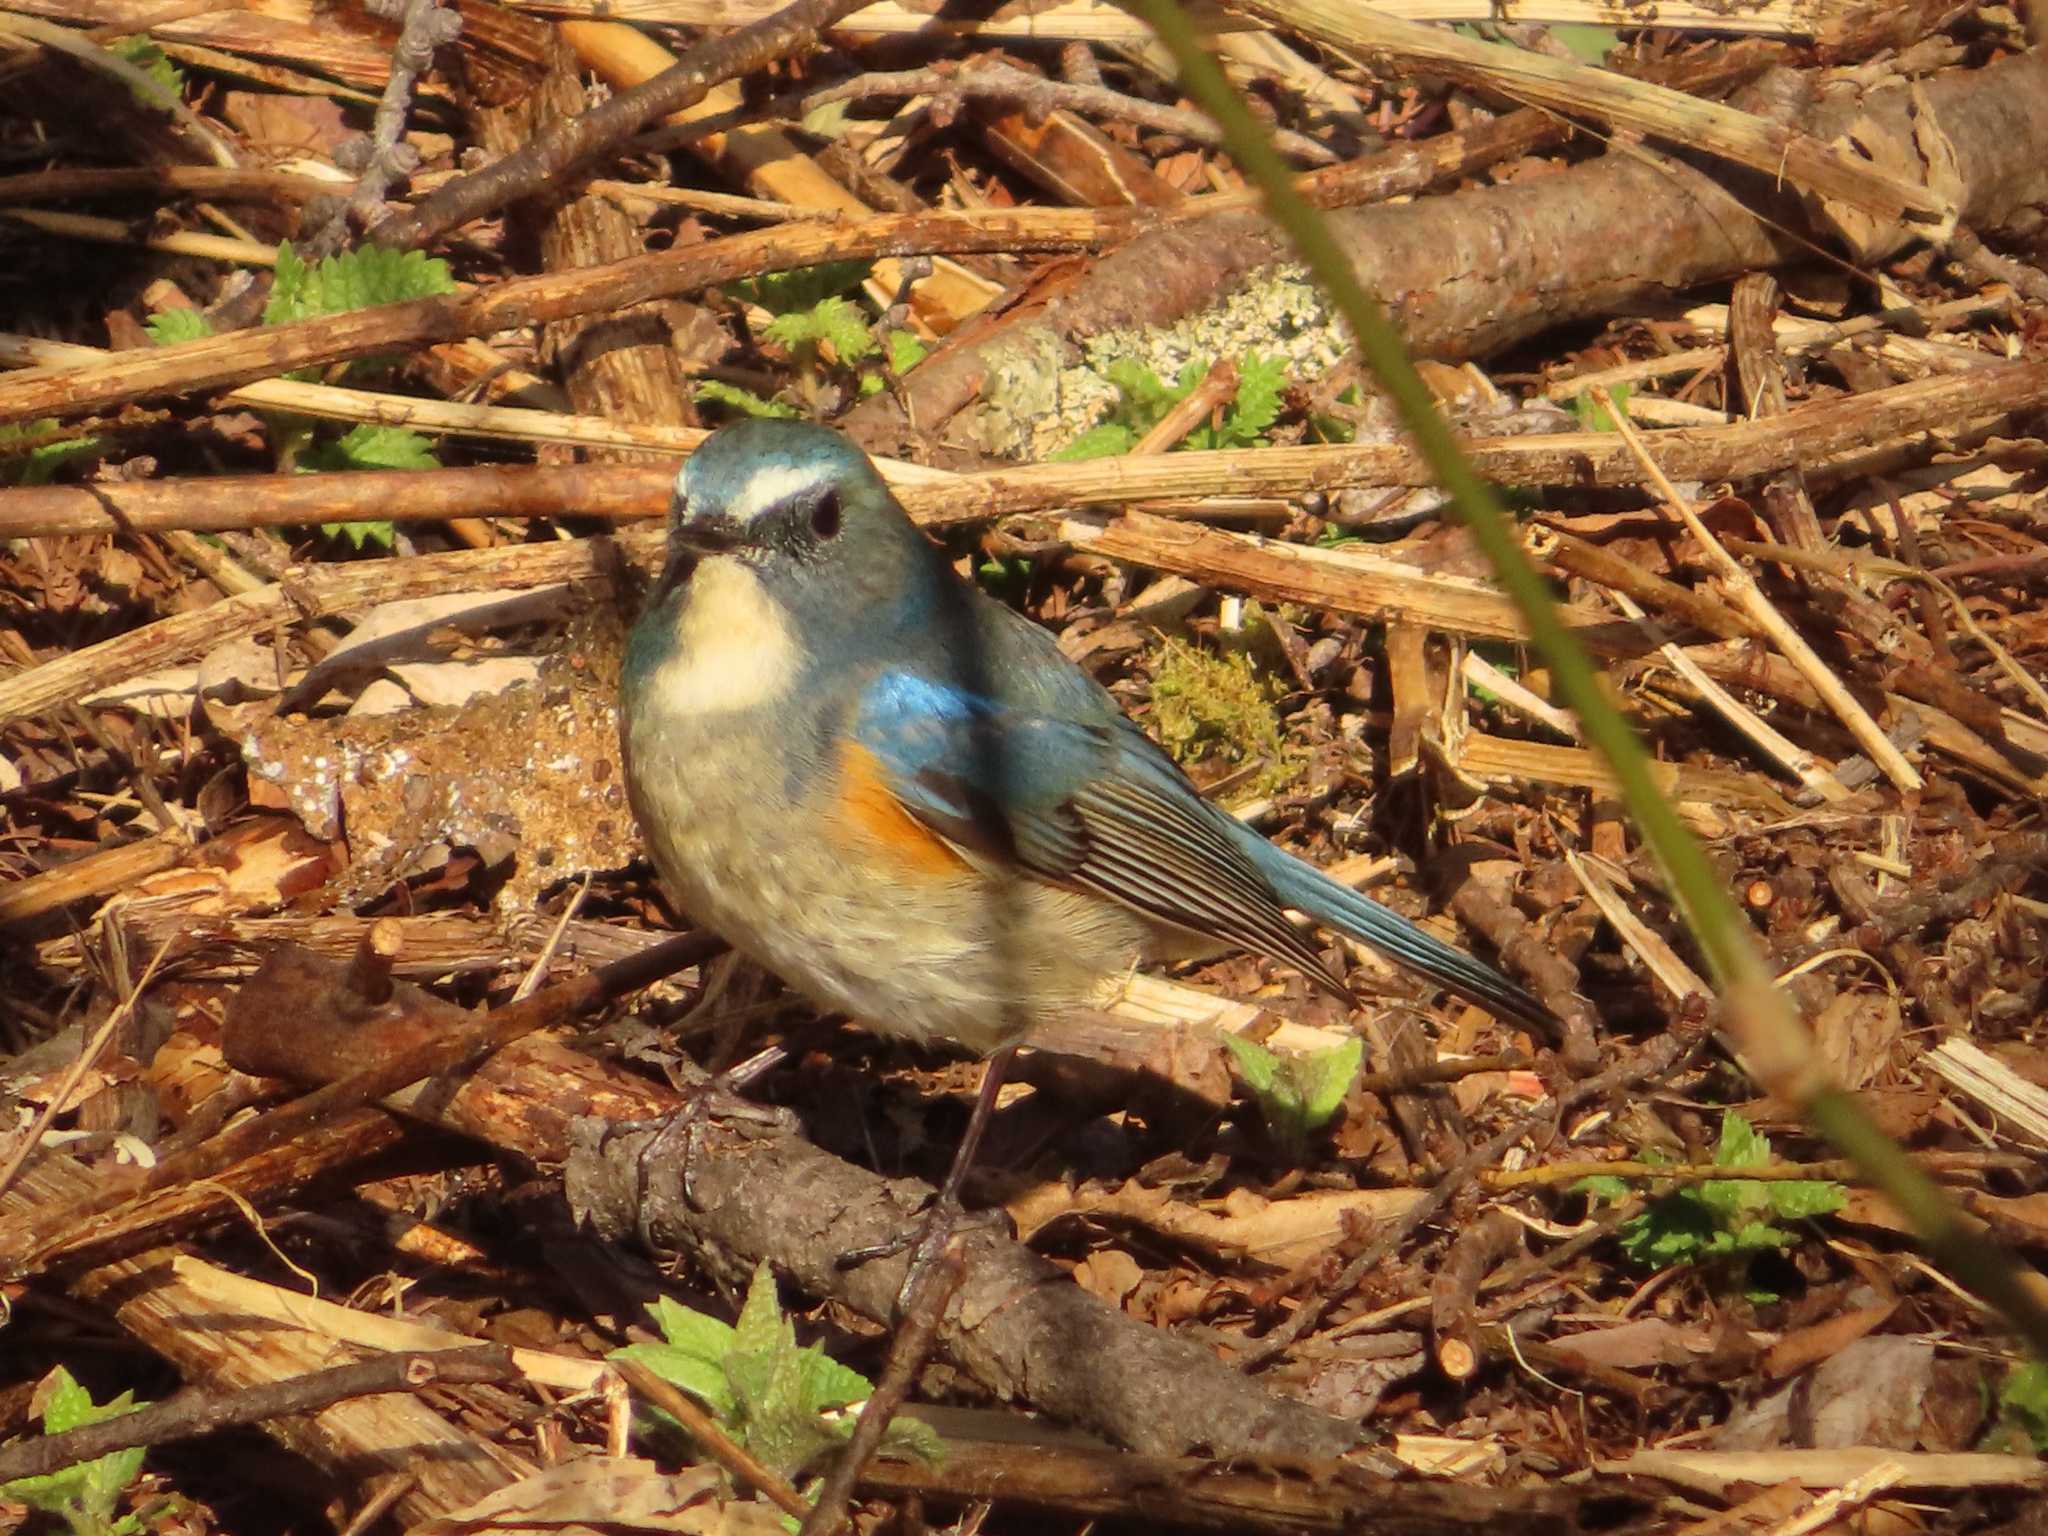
(832,905)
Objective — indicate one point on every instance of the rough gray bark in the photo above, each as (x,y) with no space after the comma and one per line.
(1472,272)
(737,1191)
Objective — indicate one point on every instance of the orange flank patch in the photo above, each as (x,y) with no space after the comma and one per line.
(868,809)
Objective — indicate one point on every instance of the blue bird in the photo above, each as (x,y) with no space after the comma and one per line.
(900,796)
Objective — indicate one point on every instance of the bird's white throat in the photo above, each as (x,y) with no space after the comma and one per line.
(734,648)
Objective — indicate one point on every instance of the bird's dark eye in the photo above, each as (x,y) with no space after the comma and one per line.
(825,515)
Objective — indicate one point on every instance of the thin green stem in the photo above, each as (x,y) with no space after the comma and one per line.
(1757,1012)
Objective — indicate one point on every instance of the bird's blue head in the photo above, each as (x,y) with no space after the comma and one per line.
(782,531)
(788,498)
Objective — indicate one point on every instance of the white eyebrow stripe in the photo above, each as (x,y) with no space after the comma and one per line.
(768,487)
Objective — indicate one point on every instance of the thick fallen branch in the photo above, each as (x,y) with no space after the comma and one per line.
(742,1191)
(1826,439)
(1473,272)
(1018,1325)
(238,357)
(1079,1484)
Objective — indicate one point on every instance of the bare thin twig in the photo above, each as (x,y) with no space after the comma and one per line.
(578,140)
(190,1414)
(1001,82)
(931,1294)
(448,1051)
(87,1056)
(704,1429)
(383,156)
(1654,1060)
(1742,590)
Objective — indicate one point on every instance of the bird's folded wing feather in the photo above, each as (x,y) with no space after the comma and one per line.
(1089,806)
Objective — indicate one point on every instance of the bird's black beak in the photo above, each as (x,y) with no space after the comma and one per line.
(689,541)
(704,536)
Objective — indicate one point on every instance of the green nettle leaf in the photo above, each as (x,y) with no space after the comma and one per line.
(745,401)
(1107,440)
(1258,1066)
(800,288)
(1592,415)
(1586,43)
(837,323)
(1261,389)
(369,447)
(168,327)
(1142,400)
(762,1327)
(2023,1407)
(1742,1146)
(1144,397)
(153,62)
(1798,1199)
(85,1495)
(288,283)
(1296,1095)
(913,1439)
(354,279)
(1722,1219)
(1325,1077)
(779,1399)
(906,351)
(370,533)
(363,448)
(699,1332)
(31,452)
(703,1379)
(843,327)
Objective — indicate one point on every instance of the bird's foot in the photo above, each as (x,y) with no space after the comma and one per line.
(925,1240)
(705,1097)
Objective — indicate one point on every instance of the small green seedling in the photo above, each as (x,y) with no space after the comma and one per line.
(743,401)
(86,1494)
(784,1402)
(1298,1095)
(835,323)
(169,327)
(352,280)
(356,279)
(1593,415)
(166,77)
(1721,1220)
(31,452)
(2022,1424)
(825,330)
(1143,400)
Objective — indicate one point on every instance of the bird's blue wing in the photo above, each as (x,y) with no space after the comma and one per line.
(1093,806)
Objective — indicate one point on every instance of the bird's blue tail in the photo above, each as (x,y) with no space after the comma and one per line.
(1315,895)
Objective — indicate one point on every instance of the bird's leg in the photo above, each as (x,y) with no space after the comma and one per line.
(927,1239)
(992,1080)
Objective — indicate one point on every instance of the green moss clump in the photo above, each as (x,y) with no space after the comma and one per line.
(1218,710)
